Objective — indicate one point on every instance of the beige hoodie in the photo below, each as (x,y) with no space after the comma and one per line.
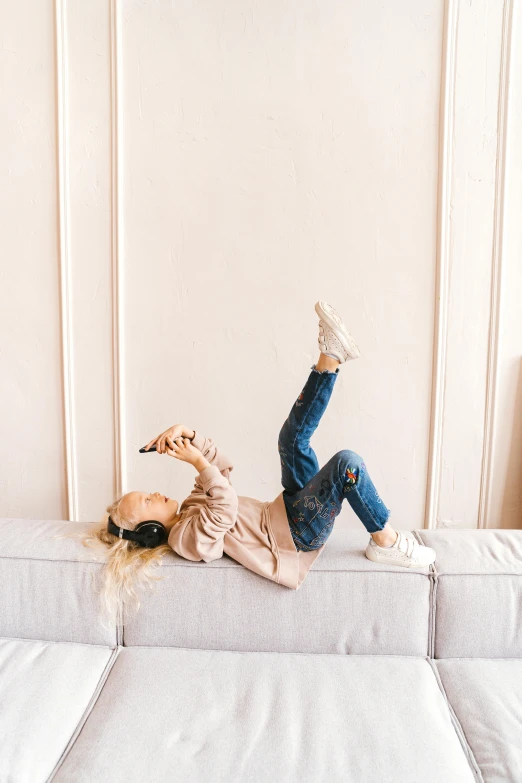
(255,533)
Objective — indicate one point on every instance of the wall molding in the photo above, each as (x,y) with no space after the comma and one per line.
(497,268)
(461,27)
(120,472)
(446,120)
(64,258)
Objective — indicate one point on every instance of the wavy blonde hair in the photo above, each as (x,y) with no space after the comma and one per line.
(129,566)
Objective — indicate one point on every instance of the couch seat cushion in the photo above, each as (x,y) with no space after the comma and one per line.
(486,696)
(45,689)
(195,715)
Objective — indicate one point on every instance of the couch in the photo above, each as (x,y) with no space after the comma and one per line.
(368,672)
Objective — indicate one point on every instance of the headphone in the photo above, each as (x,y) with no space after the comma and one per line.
(148,534)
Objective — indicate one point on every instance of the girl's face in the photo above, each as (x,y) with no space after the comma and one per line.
(150,505)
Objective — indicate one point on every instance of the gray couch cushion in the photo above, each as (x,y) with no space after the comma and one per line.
(347,604)
(202,715)
(477,600)
(486,696)
(45,690)
(47,584)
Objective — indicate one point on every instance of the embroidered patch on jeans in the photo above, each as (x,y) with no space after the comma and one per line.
(323,535)
(312,503)
(326,486)
(350,479)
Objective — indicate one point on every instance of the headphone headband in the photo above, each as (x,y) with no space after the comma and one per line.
(147,534)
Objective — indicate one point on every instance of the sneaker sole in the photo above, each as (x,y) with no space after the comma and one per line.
(332,318)
(390,561)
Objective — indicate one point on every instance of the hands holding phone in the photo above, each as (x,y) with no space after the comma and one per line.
(176,443)
(167,438)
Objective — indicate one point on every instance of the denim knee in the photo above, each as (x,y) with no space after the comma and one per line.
(350,463)
(349,456)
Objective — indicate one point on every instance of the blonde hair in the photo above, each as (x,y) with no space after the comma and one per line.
(128,565)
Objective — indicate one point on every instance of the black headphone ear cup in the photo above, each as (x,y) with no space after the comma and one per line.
(151,533)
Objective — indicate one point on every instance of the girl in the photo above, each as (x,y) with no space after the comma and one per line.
(277,539)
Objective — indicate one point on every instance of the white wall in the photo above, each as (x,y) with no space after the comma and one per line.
(182,182)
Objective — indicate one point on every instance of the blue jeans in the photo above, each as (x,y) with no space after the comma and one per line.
(313,497)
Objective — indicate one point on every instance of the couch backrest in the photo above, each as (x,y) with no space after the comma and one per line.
(468,605)
(477,595)
(48,586)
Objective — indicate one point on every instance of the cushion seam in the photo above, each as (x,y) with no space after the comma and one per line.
(458,728)
(90,706)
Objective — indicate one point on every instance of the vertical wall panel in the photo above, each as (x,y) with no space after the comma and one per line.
(275,155)
(504,496)
(33,481)
(89,211)
(469,259)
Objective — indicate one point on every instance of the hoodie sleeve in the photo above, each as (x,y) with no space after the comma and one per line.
(200,536)
(211,452)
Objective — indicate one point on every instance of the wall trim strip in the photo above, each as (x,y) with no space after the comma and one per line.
(492,379)
(64,258)
(117,252)
(446,120)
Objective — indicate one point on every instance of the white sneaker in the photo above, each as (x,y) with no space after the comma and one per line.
(406,551)
(334,338)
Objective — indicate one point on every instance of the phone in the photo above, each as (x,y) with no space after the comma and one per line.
(153,448)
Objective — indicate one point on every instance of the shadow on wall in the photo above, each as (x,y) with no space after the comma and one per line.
(510,497)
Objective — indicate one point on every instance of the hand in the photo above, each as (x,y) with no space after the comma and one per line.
(167,438)
(184,450)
